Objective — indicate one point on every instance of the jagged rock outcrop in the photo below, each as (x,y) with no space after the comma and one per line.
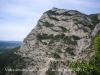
(96,30)
(99,16)
(59,37)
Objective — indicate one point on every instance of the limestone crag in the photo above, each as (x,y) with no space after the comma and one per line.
(59,37)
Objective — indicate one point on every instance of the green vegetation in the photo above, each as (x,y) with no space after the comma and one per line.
(44,36)
(55,55)
(85,30)
(11,59)
(50,12)
(63,29)
(80,22)
(70,50)
(5,56)
(54,64)
(50,72)
(75,37)
(66,39)
(39,37)
(70,42)
(44,43)
(59,36)
(75,19)
(47,24)
(91,67)
(53,18)
(94,18)
(66,14)
(90,26)
(97,44)
(59,51)
(56,37)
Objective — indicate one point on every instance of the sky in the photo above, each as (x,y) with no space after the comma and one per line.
(19,17)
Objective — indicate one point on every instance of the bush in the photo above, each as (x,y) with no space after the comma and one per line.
(45,43)
(50,72)
(53,18)
(70,42)
(44,36)
(56,37)
(75,19)
(94,18)
(59,51)
(63,29)
(66,14)
(12,60)
(97,44)
(65,38)
(85,30)
(47,24)
(50,36)
(90,67)
(55,55)
(62,35)
(70,50)
(75,37)
(52,41)
(50,12)
(90,26)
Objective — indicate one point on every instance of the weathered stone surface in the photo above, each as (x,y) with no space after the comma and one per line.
(96,30)
(57,30)
(99,16)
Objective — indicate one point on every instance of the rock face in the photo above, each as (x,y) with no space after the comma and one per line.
(96,30)
(59,37)
(99,16)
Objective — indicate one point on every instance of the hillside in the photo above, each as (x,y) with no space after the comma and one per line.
(60,37)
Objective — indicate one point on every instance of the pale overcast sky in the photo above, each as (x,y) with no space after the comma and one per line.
(19,17)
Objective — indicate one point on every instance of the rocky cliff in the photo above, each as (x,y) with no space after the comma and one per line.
(60,36)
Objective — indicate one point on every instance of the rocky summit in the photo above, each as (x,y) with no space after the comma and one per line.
(60,36)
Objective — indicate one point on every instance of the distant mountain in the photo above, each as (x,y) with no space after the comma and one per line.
(10,43)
